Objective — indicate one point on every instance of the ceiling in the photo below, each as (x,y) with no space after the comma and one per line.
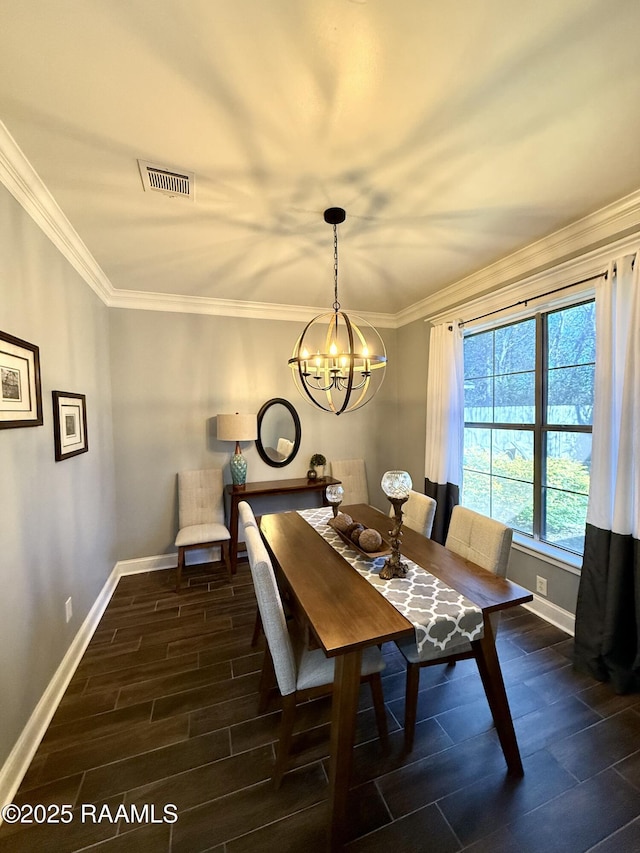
(453,133)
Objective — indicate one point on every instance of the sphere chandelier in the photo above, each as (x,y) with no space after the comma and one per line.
(338,365)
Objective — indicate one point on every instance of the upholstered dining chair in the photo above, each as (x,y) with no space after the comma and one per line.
(353,475)
(301,673)
(486,542)
(418,513)
(201,516)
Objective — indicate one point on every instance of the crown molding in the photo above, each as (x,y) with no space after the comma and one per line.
(598,230)
(24,183)
(144,301)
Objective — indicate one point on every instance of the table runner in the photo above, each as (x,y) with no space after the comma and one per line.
(442,618)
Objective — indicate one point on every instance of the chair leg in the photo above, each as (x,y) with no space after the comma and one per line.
(377,695)
(257,629)
(267,681)
(227,560)
(286,733)
(179,570)
(411,704)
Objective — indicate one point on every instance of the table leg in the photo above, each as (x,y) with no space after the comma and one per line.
(346,690)
(233,524)
(491,675)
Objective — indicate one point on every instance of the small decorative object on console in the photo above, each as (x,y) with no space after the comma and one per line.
(318,462)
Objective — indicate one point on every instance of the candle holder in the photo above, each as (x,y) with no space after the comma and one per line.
(334,495)
(397,486)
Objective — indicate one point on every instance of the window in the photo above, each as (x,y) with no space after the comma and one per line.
(528,396)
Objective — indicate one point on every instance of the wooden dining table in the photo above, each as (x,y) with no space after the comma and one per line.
(344,614)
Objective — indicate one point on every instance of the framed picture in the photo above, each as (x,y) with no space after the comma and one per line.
(69,424)
(20,394)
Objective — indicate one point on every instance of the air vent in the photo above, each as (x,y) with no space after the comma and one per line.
(172,182)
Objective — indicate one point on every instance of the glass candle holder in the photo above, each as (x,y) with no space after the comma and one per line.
(397,486)
(334,495)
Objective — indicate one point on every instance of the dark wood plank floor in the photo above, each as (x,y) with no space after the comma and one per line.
(161,713)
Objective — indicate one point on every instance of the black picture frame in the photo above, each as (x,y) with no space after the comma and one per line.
(20,390)
(69,424)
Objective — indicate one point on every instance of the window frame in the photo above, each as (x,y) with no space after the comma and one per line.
(540,428)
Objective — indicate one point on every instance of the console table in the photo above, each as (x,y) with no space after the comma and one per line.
(268,487)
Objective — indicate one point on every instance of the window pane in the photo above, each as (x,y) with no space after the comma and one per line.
(512,454)
(478,400)
(571,336)
(515,347)
(476,492)
(478,355)
(570,395)
(566,515)
(567,464)
(477,450)
(515,398)
(512,503)
(568,461)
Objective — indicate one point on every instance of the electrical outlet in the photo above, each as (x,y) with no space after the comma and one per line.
(68,609)
(541,585)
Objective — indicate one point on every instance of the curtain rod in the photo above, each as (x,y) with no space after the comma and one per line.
(604,274)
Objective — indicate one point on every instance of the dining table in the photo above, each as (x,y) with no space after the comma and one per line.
(335,592)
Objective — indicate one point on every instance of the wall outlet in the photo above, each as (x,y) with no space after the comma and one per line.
(541,585)
(68,609)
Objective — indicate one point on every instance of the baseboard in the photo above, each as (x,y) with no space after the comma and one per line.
(563,619)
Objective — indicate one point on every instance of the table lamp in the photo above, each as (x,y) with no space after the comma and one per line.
(397,486)
(237,428)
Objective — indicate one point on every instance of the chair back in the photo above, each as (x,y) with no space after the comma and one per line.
(246,516)
(480,539)
(274,622)
(353,475)
(200,497)
(418,513)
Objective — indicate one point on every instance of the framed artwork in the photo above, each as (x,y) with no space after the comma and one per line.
(69,424)
(20,394)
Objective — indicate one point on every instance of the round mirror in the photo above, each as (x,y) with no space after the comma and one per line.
(279,432)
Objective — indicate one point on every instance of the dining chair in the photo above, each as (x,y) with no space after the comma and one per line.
(353,475)
(300,673)
(485,542)
(201,516)
(418,513)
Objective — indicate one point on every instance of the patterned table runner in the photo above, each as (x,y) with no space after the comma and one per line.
(441,616)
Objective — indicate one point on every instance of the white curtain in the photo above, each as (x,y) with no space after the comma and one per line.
(445,423)
(608,611)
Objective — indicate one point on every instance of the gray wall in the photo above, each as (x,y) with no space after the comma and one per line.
(57,519)
(173,373)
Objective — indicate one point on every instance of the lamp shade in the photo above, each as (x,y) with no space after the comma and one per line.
(237,427)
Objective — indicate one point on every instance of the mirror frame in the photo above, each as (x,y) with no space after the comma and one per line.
(298,432)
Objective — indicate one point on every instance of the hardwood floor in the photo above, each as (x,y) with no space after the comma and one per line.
(161,716)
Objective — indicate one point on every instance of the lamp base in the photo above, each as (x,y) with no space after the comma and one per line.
(238,467)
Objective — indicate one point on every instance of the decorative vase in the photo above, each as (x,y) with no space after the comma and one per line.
(319,469)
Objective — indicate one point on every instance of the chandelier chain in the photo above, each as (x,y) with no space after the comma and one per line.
(336,304)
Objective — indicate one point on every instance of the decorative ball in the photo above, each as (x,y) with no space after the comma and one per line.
(312,474)
(370,540)
(353,528)
(355,535)
(342,521)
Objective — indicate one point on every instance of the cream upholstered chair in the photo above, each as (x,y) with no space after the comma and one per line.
(484,541)
(201,516)
(353,476)
(418,513)
(301,673)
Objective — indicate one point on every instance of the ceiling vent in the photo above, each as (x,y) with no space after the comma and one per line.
(172,182)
